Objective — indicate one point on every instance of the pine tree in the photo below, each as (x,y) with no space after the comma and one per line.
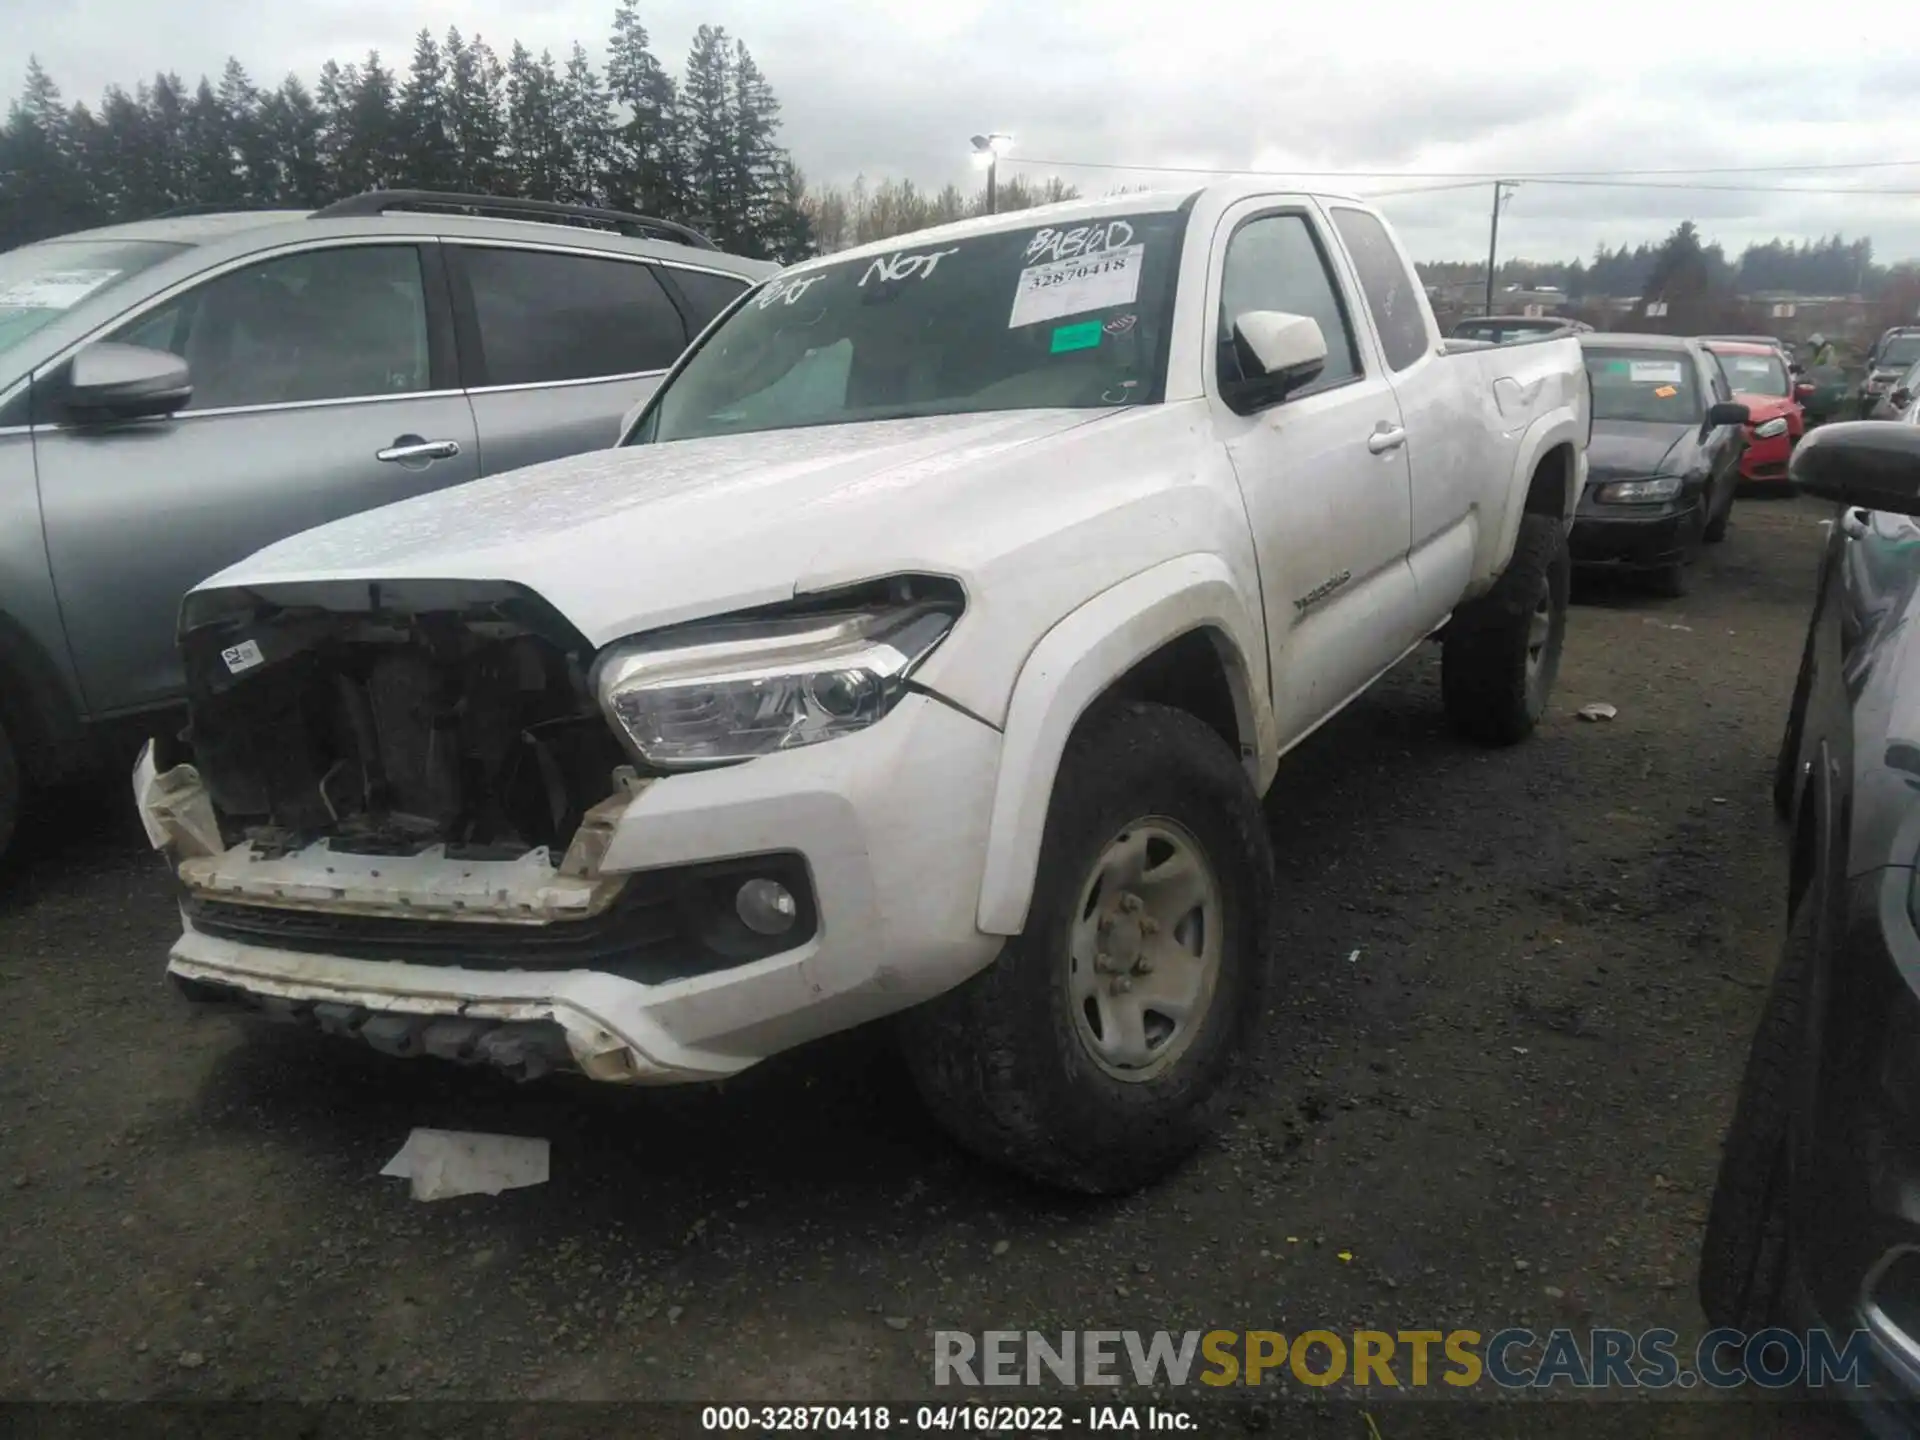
(40,189)
(476,115)
(585,114)
(645,172)
(707,139)
(759,164)
(240,105)
(426,146)
(370,157)
(214,177)
(535,142)
(290,129)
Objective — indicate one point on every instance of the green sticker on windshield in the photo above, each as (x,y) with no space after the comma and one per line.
(1084,336)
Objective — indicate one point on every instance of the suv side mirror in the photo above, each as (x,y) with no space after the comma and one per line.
(108,381)
(1278,353)
(1728,412)
(1861,462)
(1900,399)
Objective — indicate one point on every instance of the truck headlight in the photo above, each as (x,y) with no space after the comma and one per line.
(1640,492)
(719,691)
(1768,429)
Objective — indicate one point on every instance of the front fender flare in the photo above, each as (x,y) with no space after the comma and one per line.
(1074,663)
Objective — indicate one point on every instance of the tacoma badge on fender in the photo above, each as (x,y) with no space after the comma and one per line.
(1321,591)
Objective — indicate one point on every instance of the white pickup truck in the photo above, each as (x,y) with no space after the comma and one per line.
(923,650)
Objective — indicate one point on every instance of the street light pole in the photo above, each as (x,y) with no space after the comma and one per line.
(988,149)
(1501,194)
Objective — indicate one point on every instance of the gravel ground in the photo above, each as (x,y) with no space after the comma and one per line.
(1505,1108)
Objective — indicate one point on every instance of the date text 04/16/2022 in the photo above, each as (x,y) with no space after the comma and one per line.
(963,1418)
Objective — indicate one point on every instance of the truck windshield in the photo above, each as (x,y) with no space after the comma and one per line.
(39,283)
(1656,386)
(1068,315)
(1754,374)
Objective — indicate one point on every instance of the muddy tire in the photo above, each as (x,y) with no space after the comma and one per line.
(1786,764)
(1743,1255)
(10,793)
(1155,888)
(1501,652)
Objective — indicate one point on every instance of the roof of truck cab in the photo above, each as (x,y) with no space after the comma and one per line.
(1621,340)
(1067,212)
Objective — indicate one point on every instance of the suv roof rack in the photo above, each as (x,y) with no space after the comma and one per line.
(379,202)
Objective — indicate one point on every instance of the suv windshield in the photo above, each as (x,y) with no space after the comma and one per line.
(1901,351)
(1754,374)
(1074,315)
(1656,386)
(39,283)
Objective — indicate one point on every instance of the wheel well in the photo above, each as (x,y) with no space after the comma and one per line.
(1187,673)
(1547,491)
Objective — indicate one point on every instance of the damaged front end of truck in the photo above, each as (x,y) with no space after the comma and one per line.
(416,773)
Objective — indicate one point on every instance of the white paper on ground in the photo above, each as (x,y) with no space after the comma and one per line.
(1073,287)
(445,1163)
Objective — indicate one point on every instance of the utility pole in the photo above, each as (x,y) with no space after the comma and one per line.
(987,150)
(1502,192)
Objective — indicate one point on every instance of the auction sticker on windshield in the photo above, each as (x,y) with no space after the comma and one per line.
(1074,287)
(1654,372)
(55,290)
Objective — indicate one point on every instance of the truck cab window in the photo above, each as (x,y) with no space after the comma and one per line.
(1273,263)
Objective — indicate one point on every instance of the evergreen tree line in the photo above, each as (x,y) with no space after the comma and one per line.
(701,148)
(1832,265)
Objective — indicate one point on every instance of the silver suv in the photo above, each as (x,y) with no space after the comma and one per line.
(177,393)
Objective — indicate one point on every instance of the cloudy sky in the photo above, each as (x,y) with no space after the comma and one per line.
(885,88)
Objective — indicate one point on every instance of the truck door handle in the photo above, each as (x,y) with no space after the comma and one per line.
(1386,437)
(1853,523)
(411,449)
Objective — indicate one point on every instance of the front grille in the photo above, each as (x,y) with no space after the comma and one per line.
(665,925)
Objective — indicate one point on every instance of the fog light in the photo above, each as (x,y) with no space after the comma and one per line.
(766,907)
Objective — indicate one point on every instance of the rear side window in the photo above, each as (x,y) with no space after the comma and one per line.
(704,294)
(1393,295)
(544,317)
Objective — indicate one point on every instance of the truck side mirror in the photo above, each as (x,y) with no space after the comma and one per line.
(1863,463)
(1277,352)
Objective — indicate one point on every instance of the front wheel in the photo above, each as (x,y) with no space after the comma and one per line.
(1501,652)
(1091,1054)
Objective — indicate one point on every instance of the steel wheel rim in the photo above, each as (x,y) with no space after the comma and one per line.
(1539,631)
(1143,959)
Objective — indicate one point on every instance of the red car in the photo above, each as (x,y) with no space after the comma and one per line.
(1764,383)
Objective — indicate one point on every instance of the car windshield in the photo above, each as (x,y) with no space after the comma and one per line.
(1072,315)
(1656,386)
(1901,352)
(39,283)
(1754,374)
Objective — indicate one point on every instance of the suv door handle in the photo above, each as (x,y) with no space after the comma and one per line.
(411,448)
(1386,437)
(1853,523)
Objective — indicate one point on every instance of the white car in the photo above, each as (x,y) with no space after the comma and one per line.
(925,649)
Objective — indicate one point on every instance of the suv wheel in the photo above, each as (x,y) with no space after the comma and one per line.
(1091,1053)
(1743,1255)
(1501,652)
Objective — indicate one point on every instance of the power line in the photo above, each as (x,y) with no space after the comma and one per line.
(1487,177)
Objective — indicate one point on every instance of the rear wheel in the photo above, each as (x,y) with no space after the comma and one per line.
(1092,1053)
(1501,652)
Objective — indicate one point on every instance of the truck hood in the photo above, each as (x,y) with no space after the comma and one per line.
(1628,449)
(634,538)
